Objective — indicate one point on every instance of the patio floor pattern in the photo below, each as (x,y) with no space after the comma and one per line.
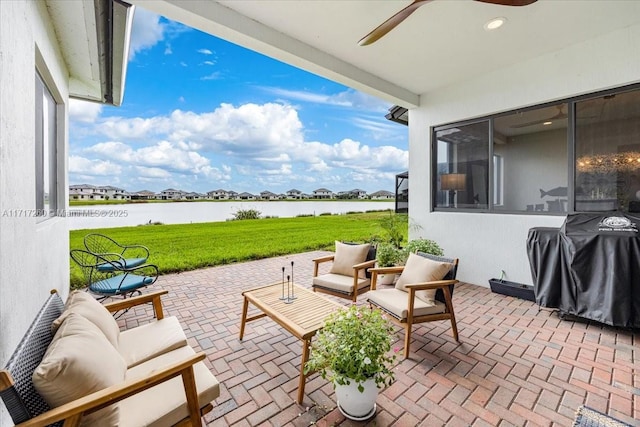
(515,365)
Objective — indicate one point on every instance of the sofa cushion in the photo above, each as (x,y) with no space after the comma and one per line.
(347,256)
(419,270)
(338,282)
(79,361)
(396,302)
(165,404)
(149,340)
(87,306)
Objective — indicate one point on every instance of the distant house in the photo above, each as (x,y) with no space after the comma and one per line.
(246,196)
(232,195)
(382,195)
(81,192)
(113,193)
(322,193)
(143,195)
(268,195)
(171,194)
(193,196)
(219,194)
(294,194)
(352,194)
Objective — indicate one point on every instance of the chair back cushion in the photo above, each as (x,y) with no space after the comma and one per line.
(419,270)
(347,256)
(80,361)
(84,304)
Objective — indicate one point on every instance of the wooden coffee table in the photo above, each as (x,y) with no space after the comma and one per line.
(302,318)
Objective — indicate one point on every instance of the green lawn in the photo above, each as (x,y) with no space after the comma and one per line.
(185,247)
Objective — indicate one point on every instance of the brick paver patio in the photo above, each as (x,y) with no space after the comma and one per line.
(515,365)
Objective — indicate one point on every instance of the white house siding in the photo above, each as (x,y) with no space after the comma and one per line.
(489,243)
(34,257)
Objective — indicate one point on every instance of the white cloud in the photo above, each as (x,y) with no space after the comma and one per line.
(147,31)
(209,63)
(216,75)
(84,111)
(167,49)
(157,173)
(263,141)
(83,166)
(349,98)
(205,51)
(184,64)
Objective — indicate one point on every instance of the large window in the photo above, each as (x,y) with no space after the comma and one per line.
(581,154)
(46,151)
(608,153)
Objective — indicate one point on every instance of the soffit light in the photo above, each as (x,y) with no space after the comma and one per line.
(495,23)
(546,123)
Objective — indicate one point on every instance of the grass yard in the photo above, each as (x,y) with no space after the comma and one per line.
(183,247)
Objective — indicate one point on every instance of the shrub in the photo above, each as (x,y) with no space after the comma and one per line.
(246,214)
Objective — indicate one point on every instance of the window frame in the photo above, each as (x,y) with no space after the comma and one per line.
(571,148)
(44,88)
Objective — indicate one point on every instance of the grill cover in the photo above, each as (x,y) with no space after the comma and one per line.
(590,267)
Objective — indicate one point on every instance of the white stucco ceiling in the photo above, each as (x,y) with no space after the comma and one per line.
(442,43)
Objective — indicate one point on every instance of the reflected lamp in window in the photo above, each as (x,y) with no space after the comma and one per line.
(462,166)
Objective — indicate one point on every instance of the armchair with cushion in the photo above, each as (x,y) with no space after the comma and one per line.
(421,294)
(347,277)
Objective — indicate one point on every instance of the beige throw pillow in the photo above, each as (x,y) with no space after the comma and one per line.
(84,304)
(80,361)
(347,256)
(419,269)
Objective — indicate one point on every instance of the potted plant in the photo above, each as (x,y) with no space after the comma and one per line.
(387,255)
(352,351)
(422,245)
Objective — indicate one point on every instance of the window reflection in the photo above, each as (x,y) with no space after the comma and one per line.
(608,153)
(463,166)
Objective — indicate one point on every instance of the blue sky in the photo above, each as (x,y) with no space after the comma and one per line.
(200,114)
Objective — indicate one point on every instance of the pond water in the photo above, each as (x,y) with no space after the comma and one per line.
(107,216)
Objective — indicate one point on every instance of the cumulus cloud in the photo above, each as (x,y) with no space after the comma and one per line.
(83,166)
(146,32)
(263,141)
(84,111)
(216,75)
(205,51)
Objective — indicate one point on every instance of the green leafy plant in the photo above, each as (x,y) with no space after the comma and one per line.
(388,255)
(394,228)
(423,245)
(354,344)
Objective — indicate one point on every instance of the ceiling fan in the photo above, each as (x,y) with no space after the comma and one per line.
(396,19)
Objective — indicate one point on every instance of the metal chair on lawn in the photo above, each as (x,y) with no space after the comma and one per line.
(128,255)
(106,275)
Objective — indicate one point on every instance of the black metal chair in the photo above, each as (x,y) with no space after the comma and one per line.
(107,275)
(127,256)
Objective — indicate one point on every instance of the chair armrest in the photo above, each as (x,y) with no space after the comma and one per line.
(74,410)
(323,259)
(136,248)
(153,297)
(396,269)
(364,265)
(430,285)
(318,261)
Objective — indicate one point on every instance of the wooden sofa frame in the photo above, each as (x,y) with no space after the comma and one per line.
(26,406)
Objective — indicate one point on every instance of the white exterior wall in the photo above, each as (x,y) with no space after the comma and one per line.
(34,257)
(489,243)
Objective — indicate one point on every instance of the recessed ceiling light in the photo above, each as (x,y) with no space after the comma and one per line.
(546,123)
(495,23)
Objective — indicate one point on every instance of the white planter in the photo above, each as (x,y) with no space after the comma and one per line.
(355,405)
(386,279)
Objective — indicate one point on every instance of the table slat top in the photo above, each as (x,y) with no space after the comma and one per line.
(303,317)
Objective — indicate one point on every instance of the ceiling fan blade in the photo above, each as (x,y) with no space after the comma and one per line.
(391,23)
(509,2)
